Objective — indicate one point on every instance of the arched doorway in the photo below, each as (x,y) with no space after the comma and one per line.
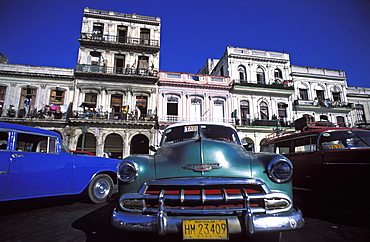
(86,142)
(139,145)
(113,146)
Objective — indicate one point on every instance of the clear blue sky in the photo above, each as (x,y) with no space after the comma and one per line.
(333,34)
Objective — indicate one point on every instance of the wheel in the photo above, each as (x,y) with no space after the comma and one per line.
(100,188)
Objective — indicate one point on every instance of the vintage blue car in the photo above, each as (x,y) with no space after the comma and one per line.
(33,163)
(203,183)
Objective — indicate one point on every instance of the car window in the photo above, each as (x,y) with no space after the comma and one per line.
(268,148)
(35,143)
(217,132)
(283,147)
(344,139)
(305,144)
(3,140)
(180,133)
(364,138)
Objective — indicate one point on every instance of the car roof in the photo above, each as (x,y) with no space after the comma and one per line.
(200,123)
(309,132)
(25,128)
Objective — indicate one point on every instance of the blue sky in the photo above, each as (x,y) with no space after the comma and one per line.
(333,34)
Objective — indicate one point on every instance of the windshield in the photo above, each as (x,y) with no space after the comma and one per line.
(345,139)
(188,132)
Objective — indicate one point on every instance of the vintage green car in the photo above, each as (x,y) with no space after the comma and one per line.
(203,183)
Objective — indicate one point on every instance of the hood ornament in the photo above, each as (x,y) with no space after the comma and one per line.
(202,167)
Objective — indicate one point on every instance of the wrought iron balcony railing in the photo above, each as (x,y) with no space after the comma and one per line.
(278,84)
(324,103)
(116,70)
(119,39)
(178,119)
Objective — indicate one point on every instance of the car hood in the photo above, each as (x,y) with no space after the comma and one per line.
(219,159)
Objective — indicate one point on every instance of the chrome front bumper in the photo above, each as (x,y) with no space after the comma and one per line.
(252,223)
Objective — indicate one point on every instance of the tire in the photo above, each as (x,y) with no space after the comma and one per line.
(100,188)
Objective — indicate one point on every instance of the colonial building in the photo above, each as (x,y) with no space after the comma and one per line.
(262,90)
(107,105)
(116,100)
(184,97)
(116,75)
(322,94)
(360,97)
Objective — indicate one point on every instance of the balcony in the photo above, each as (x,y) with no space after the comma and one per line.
(87,116)
(322,104)
(119,41)
(134,72)
(282,85)
(169,119)
(263,122)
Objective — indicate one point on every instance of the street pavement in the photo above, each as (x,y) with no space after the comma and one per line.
(67,219)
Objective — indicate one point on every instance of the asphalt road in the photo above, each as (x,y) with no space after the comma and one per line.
(67,219)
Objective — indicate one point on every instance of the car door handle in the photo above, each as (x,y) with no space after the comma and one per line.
(17,155)
(3,172)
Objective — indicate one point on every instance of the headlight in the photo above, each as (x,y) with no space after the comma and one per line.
(280,170)
(127,171)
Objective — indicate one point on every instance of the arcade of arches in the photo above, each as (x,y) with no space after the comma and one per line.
(115,145)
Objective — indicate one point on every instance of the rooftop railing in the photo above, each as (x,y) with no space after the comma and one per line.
(123,15)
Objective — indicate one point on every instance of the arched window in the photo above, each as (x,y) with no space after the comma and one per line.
(260,76)
(113,146)
(139,145)
(242,75)
(86,142)
(264,111)
(278,74)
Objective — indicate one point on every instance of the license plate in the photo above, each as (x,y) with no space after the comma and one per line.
(205,229)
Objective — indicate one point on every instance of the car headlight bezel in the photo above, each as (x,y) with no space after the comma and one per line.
(280,170)
(127,171)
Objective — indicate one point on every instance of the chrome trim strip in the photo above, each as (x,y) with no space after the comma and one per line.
(204,181)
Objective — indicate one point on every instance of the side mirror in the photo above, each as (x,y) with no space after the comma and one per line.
(248,146)
(152,148)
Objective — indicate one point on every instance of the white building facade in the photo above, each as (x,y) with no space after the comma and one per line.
(262,90)
(322,94)
(360,97)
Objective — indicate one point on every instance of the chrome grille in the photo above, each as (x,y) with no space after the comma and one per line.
(211,197)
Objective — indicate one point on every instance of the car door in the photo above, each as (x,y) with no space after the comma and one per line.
(37,168)
(4,160)
(307,163)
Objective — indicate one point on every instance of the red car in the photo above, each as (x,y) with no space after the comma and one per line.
(80,152)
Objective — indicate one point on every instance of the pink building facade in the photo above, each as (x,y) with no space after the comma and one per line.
(184,97)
